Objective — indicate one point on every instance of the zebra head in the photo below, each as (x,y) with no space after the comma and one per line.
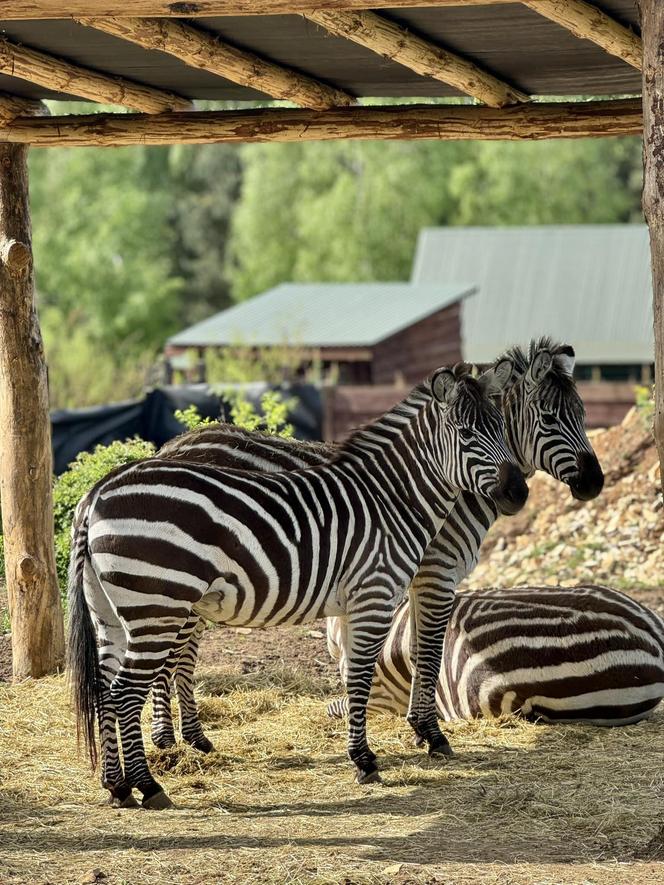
(473,452)
(546,419)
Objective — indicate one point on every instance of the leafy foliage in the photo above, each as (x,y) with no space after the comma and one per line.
(83,473)
(351,211)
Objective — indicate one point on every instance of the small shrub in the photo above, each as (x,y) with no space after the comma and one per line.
(645,403)
(191,418)
(272,417)
(81,476)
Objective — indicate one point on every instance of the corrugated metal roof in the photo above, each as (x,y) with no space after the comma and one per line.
(588,285)
(324,314)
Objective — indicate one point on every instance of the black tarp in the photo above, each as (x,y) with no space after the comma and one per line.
(152,418)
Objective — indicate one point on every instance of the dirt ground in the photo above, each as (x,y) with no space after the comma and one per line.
(519,804)
(275,802)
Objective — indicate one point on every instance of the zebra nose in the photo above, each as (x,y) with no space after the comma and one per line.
(589,480)
(511,491)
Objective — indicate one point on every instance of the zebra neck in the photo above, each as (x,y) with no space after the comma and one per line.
(395,460)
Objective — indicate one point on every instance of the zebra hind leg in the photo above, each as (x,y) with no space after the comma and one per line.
(145,656)
(111,641)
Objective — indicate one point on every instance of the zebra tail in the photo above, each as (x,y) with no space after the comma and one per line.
(82,656)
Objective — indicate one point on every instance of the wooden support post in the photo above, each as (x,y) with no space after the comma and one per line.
(25,439)
(652,30)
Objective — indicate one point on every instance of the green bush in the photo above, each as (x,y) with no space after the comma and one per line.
(83,473)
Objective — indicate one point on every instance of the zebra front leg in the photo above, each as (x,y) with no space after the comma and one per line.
(163,733)
(190,724)
(430,612)
(367,629)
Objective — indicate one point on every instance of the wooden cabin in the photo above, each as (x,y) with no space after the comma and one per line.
(355,333)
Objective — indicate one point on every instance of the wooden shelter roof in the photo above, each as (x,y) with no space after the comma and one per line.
(509,40)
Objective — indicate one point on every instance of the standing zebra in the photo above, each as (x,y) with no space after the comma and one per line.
(545,425)
(165,541)
(544,418)
(558,654)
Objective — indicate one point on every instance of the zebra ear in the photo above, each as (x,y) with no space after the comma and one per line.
(539,367)
(495,380)
(442,385)
(565,358)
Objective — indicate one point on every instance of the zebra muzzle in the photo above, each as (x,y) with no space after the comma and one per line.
(511,491)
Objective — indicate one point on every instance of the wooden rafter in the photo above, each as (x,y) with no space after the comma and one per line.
(590,23)
(45,9)
(59,75)
(443,122)
(397,44)
(12,106)
(201,50)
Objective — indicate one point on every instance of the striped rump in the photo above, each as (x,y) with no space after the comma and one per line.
(559,654)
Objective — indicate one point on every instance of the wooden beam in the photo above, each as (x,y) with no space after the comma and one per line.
(12,106)
(397,44)
(589,23)
(444,122)
(59,75)
(652,28)
(201,50)
(45,9)
(26,480)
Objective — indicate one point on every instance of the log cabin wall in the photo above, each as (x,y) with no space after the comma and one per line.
(412,354)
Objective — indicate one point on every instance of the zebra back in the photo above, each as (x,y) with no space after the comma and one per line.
(560,654)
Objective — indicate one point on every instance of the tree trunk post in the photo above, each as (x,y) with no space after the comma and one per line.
(25,439)
(652,27)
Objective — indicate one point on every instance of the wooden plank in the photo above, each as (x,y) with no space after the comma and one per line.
(201,50)
(589,23)
(45,9)
(25,439)
(652,27)
(397,44)
(59,75)
(535,121)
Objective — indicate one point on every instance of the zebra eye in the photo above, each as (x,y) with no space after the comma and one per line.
(466,435)
(548,419)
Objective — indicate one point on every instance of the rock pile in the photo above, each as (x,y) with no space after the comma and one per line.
(616,539)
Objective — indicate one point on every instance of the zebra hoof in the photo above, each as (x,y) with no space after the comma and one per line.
(368,777)
(203,744)
(157,802)
(441,748)
(128,802)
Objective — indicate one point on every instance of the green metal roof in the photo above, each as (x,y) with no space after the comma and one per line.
(588,285)
(324,314)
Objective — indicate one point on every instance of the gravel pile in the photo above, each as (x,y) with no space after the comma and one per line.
(616,539)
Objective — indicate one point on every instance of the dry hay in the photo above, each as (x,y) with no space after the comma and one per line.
(275,803)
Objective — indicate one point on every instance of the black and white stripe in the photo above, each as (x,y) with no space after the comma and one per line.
(545,425)
(585,654)
(165,541)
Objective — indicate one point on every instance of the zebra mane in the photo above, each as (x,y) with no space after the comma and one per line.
(557,376)
(392,422)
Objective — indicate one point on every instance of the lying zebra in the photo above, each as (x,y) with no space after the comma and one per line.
(161,542)
(544,422)
(558,654)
